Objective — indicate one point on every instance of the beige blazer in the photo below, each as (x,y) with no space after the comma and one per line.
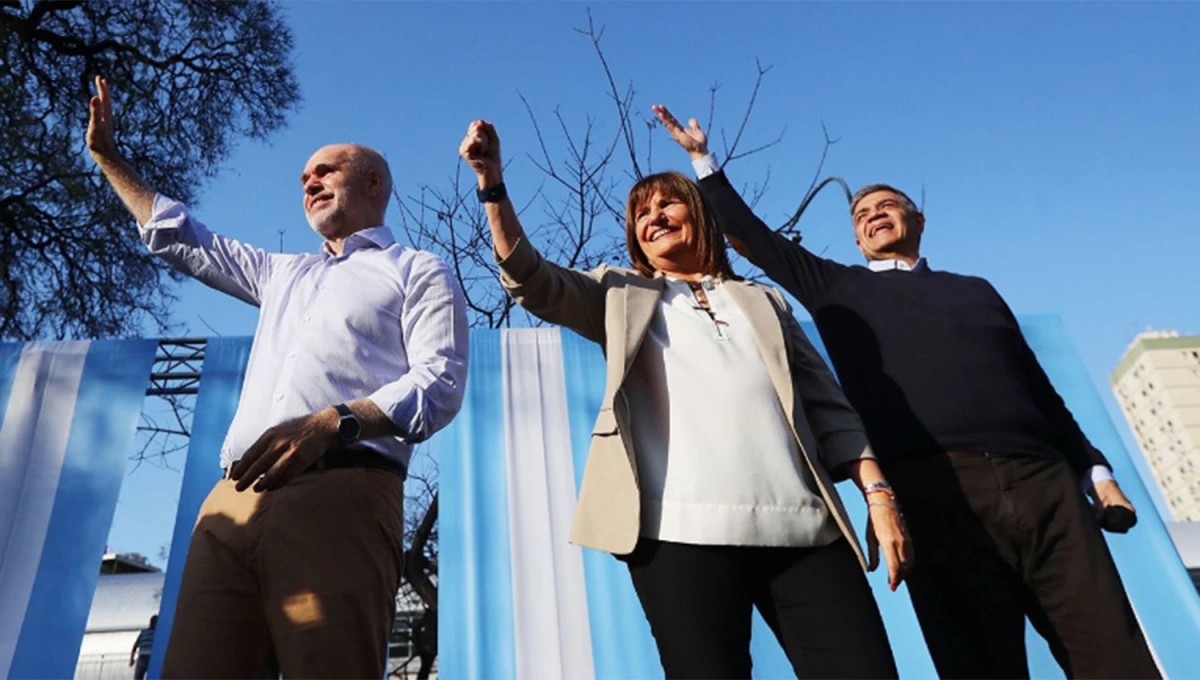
(613,306)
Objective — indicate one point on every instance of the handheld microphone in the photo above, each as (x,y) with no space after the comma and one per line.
(1117,519)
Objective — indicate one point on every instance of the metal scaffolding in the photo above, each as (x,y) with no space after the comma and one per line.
(177,366)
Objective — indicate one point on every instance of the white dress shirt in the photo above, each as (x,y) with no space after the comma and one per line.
(708,165)
(717,463)
(381,321)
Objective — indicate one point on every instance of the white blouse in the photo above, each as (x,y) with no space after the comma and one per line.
(717,462)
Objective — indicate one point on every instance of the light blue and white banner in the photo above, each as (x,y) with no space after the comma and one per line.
(516,600)
(69,414)
(224,369)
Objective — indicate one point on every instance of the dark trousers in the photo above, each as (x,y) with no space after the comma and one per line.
(1002,538)
(698,600)
(143,664)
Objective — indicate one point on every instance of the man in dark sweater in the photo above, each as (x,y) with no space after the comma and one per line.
(981,450)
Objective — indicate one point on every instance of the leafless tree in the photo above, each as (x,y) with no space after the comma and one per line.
(190,78)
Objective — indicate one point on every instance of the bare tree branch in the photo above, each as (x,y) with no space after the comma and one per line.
(621,103)
(731,153)
(790,228)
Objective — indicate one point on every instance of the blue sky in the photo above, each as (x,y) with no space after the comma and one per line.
(1056,144)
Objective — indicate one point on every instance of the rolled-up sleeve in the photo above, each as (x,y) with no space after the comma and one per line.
(434,326)
(224,264)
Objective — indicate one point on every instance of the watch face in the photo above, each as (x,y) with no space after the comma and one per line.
(348,428)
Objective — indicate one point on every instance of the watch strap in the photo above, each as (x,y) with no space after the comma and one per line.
(492,194)
(349,429)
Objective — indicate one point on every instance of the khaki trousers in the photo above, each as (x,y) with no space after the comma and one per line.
(299,581)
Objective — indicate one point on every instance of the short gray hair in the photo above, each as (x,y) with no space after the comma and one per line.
(872,188)
(367,158)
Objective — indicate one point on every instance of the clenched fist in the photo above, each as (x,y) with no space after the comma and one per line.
(481,150)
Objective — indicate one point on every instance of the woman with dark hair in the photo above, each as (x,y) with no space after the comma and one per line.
(713,457)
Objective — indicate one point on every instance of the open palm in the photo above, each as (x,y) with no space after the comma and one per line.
(692,138)
(100,141)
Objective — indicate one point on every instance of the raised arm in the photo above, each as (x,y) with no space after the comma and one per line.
(792,266)
(165,226)
(552,293)
(133,191)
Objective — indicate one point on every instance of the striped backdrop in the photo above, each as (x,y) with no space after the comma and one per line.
(517,601)
(69,412)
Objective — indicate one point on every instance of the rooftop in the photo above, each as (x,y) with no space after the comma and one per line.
(1151,340)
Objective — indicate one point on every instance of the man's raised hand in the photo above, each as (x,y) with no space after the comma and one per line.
(480,148)
(100,140)
(692,138)
(130,187)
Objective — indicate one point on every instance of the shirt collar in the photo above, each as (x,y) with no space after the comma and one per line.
(380,236)
(901,265)
(708,282)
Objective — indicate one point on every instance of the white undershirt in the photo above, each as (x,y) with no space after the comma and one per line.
(717,462)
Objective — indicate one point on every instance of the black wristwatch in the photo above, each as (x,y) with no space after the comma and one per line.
(492,194)
(348,427)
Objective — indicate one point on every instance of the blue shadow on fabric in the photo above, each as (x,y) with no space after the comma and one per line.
(476,594)
(224,369)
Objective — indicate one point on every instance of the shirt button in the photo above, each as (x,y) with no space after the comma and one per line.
(279,396)
(307,317)
(291,355)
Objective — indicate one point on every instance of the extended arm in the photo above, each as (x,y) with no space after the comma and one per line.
(165,225)
(133,191)
(555,294)
(792,266)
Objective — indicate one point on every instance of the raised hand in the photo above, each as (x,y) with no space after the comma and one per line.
(480,148)
(100,140)
(692,138)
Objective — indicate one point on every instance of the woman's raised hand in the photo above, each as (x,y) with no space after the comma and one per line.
(692,138)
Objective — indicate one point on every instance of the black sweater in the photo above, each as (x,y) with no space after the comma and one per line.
(932,361)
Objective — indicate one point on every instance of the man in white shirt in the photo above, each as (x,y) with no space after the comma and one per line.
(360,352)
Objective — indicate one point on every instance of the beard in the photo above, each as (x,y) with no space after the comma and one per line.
(326,219)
